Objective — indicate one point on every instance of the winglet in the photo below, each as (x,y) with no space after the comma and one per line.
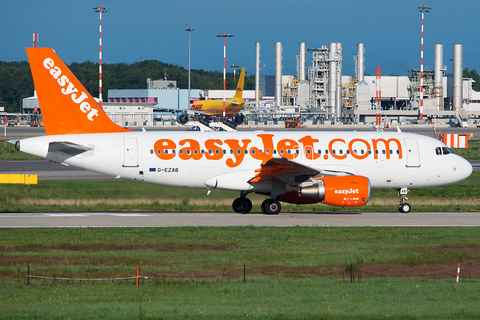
(66,106)
(239,92)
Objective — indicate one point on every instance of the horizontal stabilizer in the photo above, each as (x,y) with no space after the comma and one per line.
(68,147)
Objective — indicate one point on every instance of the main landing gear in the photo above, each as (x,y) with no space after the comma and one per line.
(271,206)
(403,207)
(244,205)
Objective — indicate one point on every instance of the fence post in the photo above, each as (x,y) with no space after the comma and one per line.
(28,275)
(458,272)
(138,271)
(351,272)
(244,271)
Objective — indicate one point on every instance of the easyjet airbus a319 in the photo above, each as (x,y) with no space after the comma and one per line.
(334,168)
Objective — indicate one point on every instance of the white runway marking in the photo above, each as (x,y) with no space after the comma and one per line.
(57,215)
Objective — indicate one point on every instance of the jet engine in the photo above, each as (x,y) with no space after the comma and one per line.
(182,118)
(345,191)
(239,118)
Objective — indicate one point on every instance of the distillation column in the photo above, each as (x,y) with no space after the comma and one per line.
(278,73)
(437,82)
(332,80)
(257,71)
(339,81)
(303,85)
(457,76)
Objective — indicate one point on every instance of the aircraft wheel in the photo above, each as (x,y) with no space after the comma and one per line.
(242,205)
(270,206)
(404,208)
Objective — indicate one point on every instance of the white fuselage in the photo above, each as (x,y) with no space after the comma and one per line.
(191,159)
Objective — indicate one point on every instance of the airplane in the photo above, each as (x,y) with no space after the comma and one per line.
(214,109)
(304,167)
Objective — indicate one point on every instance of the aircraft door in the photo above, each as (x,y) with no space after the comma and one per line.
(130,152)
(413,153)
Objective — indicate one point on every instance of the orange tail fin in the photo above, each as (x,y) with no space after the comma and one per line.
(66,106)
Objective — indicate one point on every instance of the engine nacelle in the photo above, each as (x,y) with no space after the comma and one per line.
(182,118)
(239,118)
(345,191)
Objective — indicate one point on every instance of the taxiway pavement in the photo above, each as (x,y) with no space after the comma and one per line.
(218,219)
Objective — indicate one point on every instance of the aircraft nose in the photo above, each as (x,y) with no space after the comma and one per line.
(463,168)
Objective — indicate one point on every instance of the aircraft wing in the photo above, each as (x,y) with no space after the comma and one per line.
(187,111)
(267,110)
(290,172)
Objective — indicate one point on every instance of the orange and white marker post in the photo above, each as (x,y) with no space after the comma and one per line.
(138,272)
(458,272)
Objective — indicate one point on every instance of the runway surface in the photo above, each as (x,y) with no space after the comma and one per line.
(179,219)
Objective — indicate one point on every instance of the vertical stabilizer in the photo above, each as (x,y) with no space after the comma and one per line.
(239,92)
(66,106)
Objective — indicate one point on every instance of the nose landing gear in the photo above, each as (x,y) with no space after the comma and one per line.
(403,207)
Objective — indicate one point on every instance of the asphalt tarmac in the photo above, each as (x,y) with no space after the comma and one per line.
(218,219)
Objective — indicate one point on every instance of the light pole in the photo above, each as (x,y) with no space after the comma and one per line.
(100,8)
(224,35)
(234,73)
(422,9)
(189,29)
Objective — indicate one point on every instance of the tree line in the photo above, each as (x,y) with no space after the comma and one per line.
(16,80)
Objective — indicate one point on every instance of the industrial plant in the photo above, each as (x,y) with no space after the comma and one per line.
(319,94)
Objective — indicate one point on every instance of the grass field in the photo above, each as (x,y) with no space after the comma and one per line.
(292,273)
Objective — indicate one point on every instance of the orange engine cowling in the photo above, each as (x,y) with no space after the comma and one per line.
(345,191)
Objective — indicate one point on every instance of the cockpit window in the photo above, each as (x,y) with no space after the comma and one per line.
(446,150)
(442,151)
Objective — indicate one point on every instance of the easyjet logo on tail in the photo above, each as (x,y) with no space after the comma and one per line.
(68,88)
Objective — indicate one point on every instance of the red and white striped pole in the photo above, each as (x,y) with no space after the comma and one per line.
(224,35)
(100,9)
(378,116)
(458,272)
(422,9)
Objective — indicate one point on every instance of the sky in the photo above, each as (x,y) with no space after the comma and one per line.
(133,31)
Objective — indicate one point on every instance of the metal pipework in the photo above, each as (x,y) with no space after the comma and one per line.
(257,71)
(437,76)
(302,61)
(457,76)
(278,73)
